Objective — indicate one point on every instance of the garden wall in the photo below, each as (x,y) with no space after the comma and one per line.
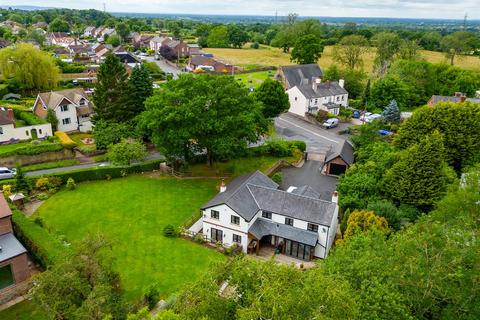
(12,160)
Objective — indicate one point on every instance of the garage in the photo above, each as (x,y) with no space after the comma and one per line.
(6,276)
(339,158)
(336,169)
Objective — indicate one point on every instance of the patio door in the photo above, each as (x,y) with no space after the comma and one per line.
(216,235)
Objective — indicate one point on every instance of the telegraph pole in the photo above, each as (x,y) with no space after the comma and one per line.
(465,21)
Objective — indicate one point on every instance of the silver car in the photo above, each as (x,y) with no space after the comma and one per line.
(6,173)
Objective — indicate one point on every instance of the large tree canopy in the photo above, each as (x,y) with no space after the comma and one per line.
(308,49)
(273,97)
(203,114)
(29,67)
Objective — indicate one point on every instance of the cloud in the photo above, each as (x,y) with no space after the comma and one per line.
(340,8)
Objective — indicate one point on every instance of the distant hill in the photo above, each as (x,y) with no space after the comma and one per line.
(26,8)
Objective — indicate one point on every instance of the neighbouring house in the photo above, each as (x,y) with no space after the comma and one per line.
(61,39)
(40,25)
(252,212)
(13,256)
(308,94)
(61,52)
(157,42)
(315,95)
(180,48)
(457,98)
(103,33)
(294,75)
(127,58)
(81,52)
(209,64)
(10,132)
(4,43)
(72,107)
(194,49)
(338,159)
(89,32)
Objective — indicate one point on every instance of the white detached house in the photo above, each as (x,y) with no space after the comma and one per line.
(252,212)
(72,108)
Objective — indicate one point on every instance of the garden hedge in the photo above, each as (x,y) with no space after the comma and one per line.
(44,247)
(33,149)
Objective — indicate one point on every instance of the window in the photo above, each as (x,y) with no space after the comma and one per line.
(338,98)
(27,133)
(316,101)
(289,221)
(66,121)
(64,108)
(296,98)
(40,131)
(266,214)
(237,238)
(1,130)
(312,227)
(215,214)
(235,220)
(216,235)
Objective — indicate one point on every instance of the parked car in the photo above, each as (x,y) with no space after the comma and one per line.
(373,117)
(365,115)
(330,123)
(6,173)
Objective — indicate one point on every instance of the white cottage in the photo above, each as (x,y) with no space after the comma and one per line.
(252,212)
(9,132)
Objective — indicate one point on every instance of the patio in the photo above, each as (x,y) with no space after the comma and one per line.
(268,252)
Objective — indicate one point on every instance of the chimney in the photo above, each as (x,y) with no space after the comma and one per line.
(223,187)
(341,83)
(10,114)
(316,83)
(335,197)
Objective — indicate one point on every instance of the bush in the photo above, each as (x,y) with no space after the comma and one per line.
(255,45)
(169,231)
(31,149)
(71,184)
(65,140)
(48,184)
(152,296)
(277,177)
(126,152)
(40,244)
(7,190)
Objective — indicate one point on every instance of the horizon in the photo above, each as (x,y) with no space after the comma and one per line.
(397,9)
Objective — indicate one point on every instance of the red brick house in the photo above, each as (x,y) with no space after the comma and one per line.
(13,256)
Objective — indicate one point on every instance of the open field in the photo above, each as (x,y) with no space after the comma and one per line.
(25,310)
(268,56)
(131,213)
(254,79)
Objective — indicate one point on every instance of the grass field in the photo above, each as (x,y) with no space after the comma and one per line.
(25,310)
(254,79)
(268,56)
(7,148)
(131,213)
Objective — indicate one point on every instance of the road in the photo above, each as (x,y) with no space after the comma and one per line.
(318,140)
(165,66)
(152,156)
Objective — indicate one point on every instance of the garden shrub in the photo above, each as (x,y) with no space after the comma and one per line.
(7,190)
(65,140)
(31,149)
(48,184)
(41,245)
(152,296)
(277,177)
(169,231)
(71,184)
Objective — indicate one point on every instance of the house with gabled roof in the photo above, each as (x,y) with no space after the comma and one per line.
(338,159)
(61,39)
(13,255)
(72,107)
(252,212)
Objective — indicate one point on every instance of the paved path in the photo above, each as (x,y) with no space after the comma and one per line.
(165,66)
(152,156)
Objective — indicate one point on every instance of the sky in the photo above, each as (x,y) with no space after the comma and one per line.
(451,9)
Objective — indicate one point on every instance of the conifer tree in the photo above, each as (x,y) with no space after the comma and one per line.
(391,114)
(141,83)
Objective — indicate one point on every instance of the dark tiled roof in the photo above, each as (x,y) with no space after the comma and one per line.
(126,57)
(11,247)
(343,150)
(248,194)
(4,208)
(294,75)
(262,227)
(306,191)
(324,89)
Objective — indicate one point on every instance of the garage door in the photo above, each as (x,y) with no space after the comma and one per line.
(337,169)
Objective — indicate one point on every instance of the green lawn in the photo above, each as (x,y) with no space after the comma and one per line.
(50,165)
(7,148)
(254,79)
(132,212)
(25,310)
(85,148)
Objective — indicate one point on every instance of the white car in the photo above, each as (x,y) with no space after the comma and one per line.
(6,173)
(330,123)
(373,117)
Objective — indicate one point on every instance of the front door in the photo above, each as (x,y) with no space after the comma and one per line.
(216,235)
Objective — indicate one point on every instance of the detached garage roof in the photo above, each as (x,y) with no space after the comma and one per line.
(344,150)
(10,247)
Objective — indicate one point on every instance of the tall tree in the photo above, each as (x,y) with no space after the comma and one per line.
(123,31)
(308,49)
(58,25)
(30,67)
(391,114)
(460,42)
(350,50)
(218,37)
(237,36)
(141,83)
(212,114)
(388,45)
(421,176)
(113,92)
(273,98)
(362,221)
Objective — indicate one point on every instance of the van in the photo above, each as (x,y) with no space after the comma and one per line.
(330,123)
